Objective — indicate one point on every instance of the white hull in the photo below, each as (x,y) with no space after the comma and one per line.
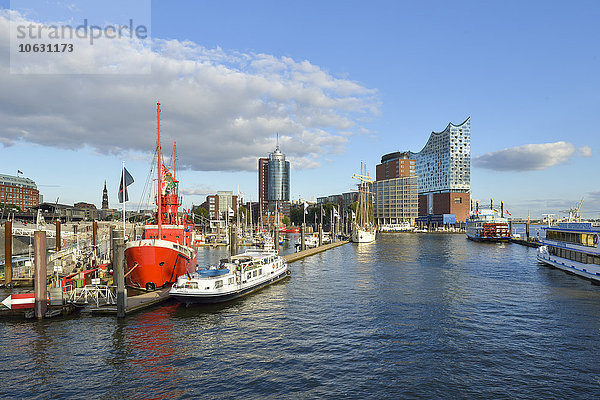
(589,271)
(247,273)
(362,236)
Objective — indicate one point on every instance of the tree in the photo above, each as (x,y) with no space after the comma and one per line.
(286,221)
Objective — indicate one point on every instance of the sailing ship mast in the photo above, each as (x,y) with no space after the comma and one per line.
(159,193)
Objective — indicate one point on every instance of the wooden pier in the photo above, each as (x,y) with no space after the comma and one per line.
(136,303)
(309,252)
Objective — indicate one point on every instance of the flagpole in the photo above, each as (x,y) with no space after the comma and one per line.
(124,196)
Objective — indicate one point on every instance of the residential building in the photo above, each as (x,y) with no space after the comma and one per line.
(90,210)
(395,190)
(219,204)
(19,191)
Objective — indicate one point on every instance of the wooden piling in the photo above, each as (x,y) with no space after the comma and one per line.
(95,238)
(39,277)
(58,247)
(8,252)
(232,240)
(276,238)
(119,270)
(302,237)
(320,235)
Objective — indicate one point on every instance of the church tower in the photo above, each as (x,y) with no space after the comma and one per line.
(105,197)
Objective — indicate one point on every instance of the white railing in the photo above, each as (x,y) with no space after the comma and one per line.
(98,294)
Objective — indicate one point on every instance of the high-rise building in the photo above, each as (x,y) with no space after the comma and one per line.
(278,177)
(443,168)
(274,183)
(19,191)
(395,190)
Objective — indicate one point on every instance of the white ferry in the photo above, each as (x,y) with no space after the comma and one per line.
(245,273)
(572,247)
(403,226)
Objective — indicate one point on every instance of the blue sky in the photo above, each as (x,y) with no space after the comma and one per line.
(375,77)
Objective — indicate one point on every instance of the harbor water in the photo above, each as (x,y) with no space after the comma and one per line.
(408,316)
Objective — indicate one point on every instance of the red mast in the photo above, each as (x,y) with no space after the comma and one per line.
(159,194)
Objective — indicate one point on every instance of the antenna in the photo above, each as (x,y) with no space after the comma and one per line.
(277,139)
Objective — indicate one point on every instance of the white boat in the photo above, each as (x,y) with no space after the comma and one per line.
(243,274)
(310,242)
(572,247)
(403,226)
(487,226)
(363,230)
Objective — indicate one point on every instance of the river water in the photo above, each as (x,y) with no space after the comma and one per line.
(409,316)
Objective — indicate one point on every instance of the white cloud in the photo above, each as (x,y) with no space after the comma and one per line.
(585,151)
(222,107)
(529,157)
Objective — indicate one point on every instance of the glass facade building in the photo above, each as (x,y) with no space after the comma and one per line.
(444,164)
(278,177)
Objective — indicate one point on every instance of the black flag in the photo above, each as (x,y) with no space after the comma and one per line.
(128,181)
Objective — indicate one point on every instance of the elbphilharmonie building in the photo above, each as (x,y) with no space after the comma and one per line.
(443,168)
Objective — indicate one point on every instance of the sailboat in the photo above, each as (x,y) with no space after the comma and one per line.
(363,230)
(167,248)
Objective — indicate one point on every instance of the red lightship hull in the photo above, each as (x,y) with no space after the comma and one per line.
(157,263)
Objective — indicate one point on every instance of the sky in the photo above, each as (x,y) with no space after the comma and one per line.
(340,81)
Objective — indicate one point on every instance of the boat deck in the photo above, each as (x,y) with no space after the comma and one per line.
(136,303)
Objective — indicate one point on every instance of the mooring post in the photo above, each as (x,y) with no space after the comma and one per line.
(119,270)
(320,235)
(39,275)
(7,253)
(95,239)
(527,230)
(232,240)
(58,235)
(302,237)
(510,228)
(276,236)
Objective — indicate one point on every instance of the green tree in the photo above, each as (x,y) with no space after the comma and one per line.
(287,221)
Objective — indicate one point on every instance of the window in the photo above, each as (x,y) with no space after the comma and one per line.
(457,200)
(218,284)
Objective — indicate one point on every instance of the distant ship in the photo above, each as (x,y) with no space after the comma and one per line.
(363,230)
(487,226)
(403,226)
(167,248)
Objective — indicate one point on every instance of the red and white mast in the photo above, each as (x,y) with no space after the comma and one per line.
(159,194)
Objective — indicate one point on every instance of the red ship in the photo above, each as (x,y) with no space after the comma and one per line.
(167,248)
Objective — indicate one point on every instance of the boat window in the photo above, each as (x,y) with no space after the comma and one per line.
(191,285)
(230,281)
(254,273)
(249,275)
(260,271)
(218,284)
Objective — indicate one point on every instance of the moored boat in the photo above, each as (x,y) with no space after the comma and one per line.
(487,226)
(403,226)
(167,248)
(363,230)
(572,247)
(242,274)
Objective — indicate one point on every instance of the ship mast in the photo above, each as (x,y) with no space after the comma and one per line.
(159,176)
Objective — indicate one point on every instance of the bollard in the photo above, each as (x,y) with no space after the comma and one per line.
(302,237)
(39,275)
(119,270)
(8,253)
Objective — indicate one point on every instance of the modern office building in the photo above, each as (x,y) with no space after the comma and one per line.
(19,191)
(443,168)
(395,190)
(274,182)
(278,177)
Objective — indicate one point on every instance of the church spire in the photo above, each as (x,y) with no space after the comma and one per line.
(105,197)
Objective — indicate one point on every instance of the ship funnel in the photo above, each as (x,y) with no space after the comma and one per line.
(502,209)
(491,204)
